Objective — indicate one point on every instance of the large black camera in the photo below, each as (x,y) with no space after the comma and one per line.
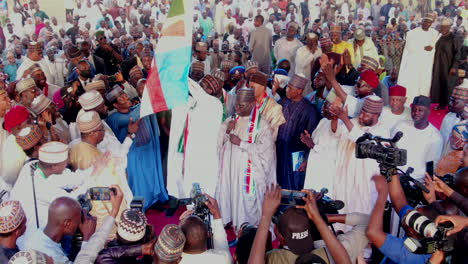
(325,204)
(435,237)
(388,156)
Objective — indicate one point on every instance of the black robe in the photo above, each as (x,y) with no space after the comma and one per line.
(447,56)
(299,116)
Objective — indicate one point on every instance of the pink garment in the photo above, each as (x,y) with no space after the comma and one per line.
(58,100)
(39,28)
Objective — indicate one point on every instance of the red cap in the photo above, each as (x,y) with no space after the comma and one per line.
(17,115)
(397,90)
(370,78)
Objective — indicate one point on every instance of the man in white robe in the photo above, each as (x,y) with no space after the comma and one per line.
(363,47)
(396,111)
(287,46)
(353,176)
(192,155)
(305,58)
(422,141)
(246,150)
(457,103)
(418,59)
(321,164)
(34,56)
(51,178)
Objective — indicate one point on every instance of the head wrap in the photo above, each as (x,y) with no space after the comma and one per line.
(132,226)
(298,82)
(16,116)
(88,122)
(359,34)
(370,77)
(461,91)
(90,100)
(259,78)
(371,63)
(397,90)
(29,136)
(237,69)
(246,95)
(422,101)
(53,152)
(373,105)
(113,94)
(170,244)
(11,216)
(25,84)
(250,65)
(30,256)
(95,85)
(40,103)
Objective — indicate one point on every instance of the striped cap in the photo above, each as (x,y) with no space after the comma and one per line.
(298,82)
(197,67)
(29,136)
(211,81)
(371,63)
(95,85)
(25,84)
(11,216)
(40,103)
(219,75)
(246,95)
(88,122)
(227,65)
(170,244)
(373,105)
(113,94)
(135,70)
(53,152)
(132,226)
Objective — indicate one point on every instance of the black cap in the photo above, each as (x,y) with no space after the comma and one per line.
(295,227)
(422,100)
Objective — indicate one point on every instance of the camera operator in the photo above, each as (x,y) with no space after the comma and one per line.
(295,234)
(392,247)
(459,222)
(196,234)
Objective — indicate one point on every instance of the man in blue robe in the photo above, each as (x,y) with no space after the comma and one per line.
(300,115)
(144,167)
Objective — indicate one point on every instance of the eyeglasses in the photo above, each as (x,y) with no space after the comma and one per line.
(102,38)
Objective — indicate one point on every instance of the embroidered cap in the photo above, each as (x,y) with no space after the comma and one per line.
(88,122)
(40,104)
(29,136)
(90,100)
(113,94)
(11,216)
(298,81)
(170,244)
(132,226)
(95,85)
(251,65)
(29,257)
(25,84)
(373,105)
(461,91)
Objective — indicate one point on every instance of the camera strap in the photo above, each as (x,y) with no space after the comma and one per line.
(33,170)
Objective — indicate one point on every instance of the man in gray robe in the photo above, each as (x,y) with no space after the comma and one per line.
(260,45)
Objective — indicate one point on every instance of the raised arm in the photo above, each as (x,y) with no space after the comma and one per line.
(375,232)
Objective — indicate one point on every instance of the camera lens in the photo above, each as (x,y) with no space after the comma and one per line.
(420,223)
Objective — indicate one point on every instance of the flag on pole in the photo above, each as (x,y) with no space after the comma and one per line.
(167,84)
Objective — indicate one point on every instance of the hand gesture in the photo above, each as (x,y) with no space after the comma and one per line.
(307,139)
(185,215)
(340,112)
(324,60)
(442,187)
(234,139)
(329,72)
(47,116)
(133,126)
(119,77)
(429,183)
(303,166)
(272,200)
(275,87)
(116,199)
(231,126)
(212,205)
(87,226)
(459,222)
(310,205)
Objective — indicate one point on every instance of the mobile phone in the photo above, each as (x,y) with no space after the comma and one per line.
(100,193)
(430,168)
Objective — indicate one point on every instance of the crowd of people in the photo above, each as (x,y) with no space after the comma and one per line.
(279,92)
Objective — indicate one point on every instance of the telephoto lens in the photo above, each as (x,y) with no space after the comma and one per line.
(420,223)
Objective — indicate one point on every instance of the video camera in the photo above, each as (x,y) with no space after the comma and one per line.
(198,200)
(388,157)
(435,237)
(325,204)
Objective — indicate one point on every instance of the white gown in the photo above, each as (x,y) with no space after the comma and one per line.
(416,63)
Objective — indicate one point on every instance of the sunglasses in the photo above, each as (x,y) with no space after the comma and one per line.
(102,38)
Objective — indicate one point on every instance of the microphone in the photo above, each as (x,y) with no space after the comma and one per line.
(397,137)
